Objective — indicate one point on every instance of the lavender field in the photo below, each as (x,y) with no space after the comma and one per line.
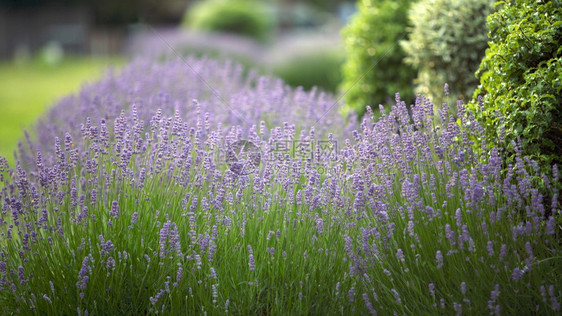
(190,187)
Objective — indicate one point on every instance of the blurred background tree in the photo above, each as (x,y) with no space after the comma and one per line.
(251,18)
(374,69)
(446,44)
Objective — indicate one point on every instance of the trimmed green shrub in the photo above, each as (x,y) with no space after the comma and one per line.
(446,45)
(521,78)
(311,68)
(245,17)
(325,5)
(374,70)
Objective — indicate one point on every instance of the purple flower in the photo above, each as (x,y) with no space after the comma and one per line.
(431,290)
(503,251)
(351,295)
(495,293)
(251,262)
(319,225)
(368,304)
(457,308)
(213,274)
(458,216)
(198,261)
(114,209)
(156,297)
(490,248)
(164,233)
(400,255)
(439,259)
(271,250)
(211,252)
(550,224)
(410,228)
(215,294)
(82,277)
(3,268)
(529,250)
(396,296)
(517,274)
(134,219)
(179,274)
(21,275)
(450,234)
(110,265)
(83,214)
(106,246)
(94,196)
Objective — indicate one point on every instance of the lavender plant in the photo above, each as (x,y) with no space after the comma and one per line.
(134,208)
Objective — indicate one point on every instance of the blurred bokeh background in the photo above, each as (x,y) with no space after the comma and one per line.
(50,48)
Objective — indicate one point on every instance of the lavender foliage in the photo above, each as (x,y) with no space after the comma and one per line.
(129,195)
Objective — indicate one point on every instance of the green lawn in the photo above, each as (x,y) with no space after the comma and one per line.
(28,89)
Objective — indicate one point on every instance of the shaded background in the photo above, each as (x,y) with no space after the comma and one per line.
(101,27)
(50,48)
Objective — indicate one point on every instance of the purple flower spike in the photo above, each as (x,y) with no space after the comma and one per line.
(251,262)
(21,275)
(431,290)
(114,209)
(400,255)
(439,259)
(517,274)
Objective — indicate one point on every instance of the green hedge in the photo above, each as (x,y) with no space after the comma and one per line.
(374,70)
(245,17)
(521,78)
(311,68)
(446,45)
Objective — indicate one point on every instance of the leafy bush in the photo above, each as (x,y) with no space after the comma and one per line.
(521,78)
(245,17)
(446,44)
(374,70)
(132,201)
(311,68)
(325,5)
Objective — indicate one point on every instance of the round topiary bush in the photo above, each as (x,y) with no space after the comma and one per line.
(521,78)
(244,17)
(446,45)
(374,70)
(311,68)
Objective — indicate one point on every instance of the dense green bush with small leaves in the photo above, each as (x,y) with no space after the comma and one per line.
(312,68)
(446,44)
(521,78)
(374,70)
(245,17)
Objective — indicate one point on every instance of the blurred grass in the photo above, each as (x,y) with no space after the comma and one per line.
(28,89)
